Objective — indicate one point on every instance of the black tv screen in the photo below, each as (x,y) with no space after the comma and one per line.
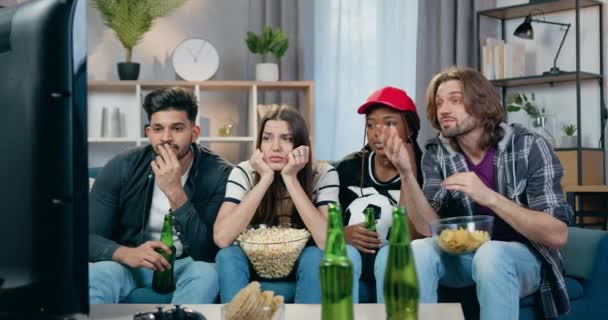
(43,179)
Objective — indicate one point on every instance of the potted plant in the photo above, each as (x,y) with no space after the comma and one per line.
(520,101)
(130,20)
(269,41)
(568,140)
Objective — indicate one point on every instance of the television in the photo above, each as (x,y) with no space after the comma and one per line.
(43,180)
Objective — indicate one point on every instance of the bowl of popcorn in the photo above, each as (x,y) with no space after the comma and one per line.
(464,234)
(273,251)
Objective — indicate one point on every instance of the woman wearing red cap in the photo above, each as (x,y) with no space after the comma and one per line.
(369,180)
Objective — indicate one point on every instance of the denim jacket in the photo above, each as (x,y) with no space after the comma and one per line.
(528,172)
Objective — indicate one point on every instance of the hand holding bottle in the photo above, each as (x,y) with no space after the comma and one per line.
(144,256)
(361,238)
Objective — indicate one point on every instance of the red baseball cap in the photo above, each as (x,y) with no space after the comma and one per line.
(389,96)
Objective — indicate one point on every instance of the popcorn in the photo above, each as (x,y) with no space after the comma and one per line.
(273,251)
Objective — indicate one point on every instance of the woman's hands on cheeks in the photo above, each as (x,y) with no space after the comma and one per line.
(296,160)
(260,166)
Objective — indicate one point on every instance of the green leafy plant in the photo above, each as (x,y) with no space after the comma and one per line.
(269,41)
(569,129)
(131,19)
(520,101)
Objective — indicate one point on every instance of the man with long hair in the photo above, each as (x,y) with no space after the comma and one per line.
(481,166)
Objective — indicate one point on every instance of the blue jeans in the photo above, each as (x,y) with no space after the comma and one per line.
(379,266)
(503,272)
(234,275)
(111,282)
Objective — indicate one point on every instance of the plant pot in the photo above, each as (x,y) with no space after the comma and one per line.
(267,72)
(128,70)
(568,141)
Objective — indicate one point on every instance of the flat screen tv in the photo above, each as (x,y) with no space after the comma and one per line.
(43,160)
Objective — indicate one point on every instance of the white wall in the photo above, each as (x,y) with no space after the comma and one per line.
(560,100)
(222,23)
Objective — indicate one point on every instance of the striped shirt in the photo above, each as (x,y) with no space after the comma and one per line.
(528,172)
(326,185)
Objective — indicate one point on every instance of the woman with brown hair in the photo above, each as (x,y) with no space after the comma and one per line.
(369,180)
(278,186)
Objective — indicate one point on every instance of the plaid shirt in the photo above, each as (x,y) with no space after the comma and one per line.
(528,172)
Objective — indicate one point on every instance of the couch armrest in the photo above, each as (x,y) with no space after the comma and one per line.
(582,250)
(590,248)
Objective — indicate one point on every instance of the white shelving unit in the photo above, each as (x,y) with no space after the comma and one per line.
(220,103)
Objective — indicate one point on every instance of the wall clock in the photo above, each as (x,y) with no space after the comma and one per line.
(195,60)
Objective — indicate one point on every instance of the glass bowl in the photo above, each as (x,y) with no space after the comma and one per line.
(464,234)
(273,251)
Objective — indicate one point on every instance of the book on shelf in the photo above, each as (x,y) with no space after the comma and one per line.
(502,60)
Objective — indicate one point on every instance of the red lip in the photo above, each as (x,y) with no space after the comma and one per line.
(276,159)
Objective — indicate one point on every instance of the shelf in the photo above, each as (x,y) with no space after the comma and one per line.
(204,85)
(226,139)
(575,149)
(106,85)
(111,140)
(540,79)
(202,139)
(546,7)
(284,85)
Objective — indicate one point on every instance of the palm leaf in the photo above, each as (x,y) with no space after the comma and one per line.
(131,19)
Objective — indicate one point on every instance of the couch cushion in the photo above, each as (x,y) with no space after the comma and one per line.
(574,287)
(287,289)
(147,295)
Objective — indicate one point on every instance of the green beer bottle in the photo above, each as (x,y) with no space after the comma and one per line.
(162,281)
(370,219)
(400,282)
(336,271)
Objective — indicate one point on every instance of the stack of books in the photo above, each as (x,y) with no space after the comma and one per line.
(501,60)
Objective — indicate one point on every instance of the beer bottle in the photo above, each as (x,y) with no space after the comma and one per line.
(336,271)
(368,259)
(370,219)
(400,282)
(162,281)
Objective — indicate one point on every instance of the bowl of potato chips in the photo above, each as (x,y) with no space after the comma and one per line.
(251,303)
(464,234)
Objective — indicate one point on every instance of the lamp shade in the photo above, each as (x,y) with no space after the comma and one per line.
(525,30)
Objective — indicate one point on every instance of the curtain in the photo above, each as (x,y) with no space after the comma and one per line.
(360,46)
(446,37)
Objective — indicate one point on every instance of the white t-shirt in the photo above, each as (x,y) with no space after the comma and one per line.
(158,209)
(326,185)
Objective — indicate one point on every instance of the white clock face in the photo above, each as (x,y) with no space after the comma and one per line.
(195,60)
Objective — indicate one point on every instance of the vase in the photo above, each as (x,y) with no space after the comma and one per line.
(568,141)
(267,72)
(128,70)
(539,126)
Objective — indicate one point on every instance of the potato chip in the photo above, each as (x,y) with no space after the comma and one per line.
(252,304)
(461,240)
